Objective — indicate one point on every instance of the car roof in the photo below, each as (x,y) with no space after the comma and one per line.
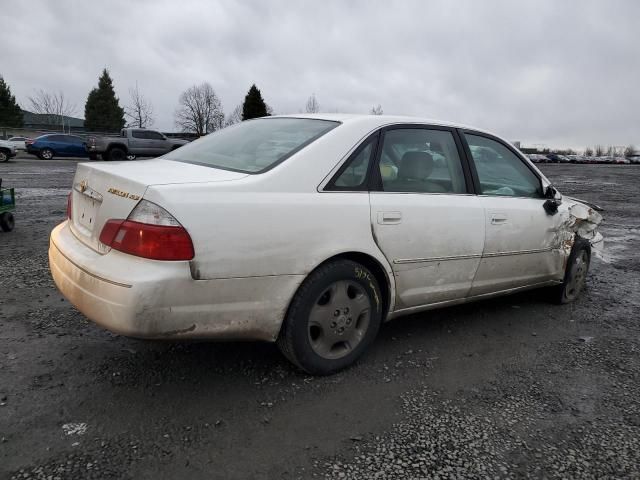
(381,120)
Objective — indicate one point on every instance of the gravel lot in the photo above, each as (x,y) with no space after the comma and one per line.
(512,387)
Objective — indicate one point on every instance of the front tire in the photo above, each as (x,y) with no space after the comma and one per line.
(7,222)
(333,318)
(46,154)
(4,156)
(575,274)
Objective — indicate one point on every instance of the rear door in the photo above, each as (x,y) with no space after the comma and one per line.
(424,216)
(76,146)
(57,144)
(519,247)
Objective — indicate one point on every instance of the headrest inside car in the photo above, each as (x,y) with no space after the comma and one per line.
(415,166)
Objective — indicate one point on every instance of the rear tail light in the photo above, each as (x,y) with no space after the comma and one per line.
(69,205)
(29,141)
(149,232)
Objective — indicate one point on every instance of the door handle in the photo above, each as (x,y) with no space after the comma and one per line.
(389,218)
(498,219)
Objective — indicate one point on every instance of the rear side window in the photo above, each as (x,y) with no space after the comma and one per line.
(253,146)
(421,160)
(138,134)
(353,175)
(500,171)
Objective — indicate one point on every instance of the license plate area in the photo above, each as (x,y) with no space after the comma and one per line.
(87,211)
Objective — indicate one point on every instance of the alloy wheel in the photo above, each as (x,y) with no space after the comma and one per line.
(339,319)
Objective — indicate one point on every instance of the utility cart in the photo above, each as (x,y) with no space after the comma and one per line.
(7,205)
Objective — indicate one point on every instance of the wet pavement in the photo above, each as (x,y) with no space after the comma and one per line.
(510,387)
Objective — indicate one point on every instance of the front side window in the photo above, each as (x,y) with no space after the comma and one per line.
(154,135)
(421,161)
(253,146)
(500,171)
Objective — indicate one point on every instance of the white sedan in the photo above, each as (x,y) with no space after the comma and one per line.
(19,142)
(312,230)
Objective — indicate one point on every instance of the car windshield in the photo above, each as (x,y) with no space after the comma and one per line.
(253,146)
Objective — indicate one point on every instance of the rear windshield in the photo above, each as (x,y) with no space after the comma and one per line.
(253,146)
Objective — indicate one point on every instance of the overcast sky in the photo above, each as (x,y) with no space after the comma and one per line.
(560,73)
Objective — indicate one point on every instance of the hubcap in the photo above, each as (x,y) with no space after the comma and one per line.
(3,157)
(46,154)
(339,319)
(578,275)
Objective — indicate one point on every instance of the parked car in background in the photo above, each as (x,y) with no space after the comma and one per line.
(538,158)
(7,150)
(310,231)
(138,142)
(19,142)
(57,145)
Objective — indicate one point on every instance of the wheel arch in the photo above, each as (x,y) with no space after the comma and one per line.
(385,281)
(121,146)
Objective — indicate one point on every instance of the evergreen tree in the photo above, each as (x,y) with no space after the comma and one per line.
(102,112)
(254,106)
(10,112)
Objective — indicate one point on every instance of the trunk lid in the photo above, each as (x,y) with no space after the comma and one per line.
(102,191)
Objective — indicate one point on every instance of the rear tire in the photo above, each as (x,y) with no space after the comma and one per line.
(4,156)
(333,318)
(46,154)
(7,222)
(116,154)
(575,275)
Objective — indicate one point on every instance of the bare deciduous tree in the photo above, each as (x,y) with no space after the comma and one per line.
(599,150)
(629,151)
(312,104)
(234,117)
(377,110)
(54,105)
(200,110)
(139,111)
(588,152)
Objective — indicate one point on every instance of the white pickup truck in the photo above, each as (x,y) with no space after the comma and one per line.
(132,142)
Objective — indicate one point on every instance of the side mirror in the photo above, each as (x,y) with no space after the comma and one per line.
(550,192)
(553,200)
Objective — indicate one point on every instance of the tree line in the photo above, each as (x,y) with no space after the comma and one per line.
(199,108)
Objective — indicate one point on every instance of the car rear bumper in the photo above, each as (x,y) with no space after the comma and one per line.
(153,299)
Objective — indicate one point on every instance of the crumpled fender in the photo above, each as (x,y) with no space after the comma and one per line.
(581,219)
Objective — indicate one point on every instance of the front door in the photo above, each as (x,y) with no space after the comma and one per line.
(424,219)
(157,143)
(520,246)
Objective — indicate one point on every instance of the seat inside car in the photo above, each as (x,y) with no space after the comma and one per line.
(413,174)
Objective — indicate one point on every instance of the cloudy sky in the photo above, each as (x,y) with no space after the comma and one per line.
(559,73)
